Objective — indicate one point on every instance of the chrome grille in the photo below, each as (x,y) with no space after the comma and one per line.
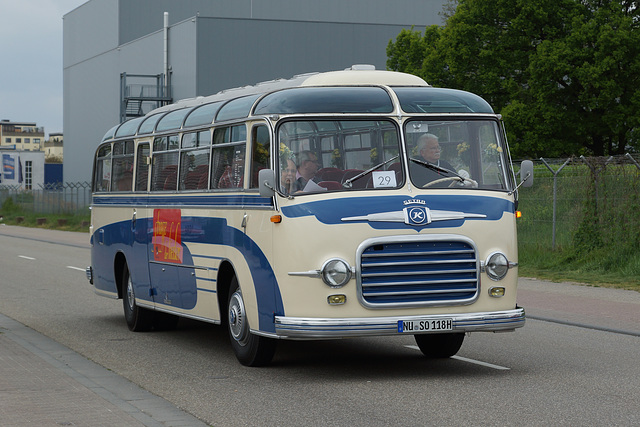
(416,271)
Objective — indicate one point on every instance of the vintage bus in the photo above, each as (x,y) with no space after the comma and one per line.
(340,204)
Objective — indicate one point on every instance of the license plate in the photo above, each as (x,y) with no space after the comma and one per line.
(414,326)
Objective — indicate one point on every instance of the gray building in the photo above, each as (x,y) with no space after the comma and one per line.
(115,60)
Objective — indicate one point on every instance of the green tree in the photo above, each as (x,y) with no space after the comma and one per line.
(565,74)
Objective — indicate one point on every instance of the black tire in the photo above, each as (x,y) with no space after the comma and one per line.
(250,349)
(439,346)
(138,319)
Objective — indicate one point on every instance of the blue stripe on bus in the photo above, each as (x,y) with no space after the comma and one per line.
(208,257)
(206,279)
(215,231)
(182,200)
(332,211)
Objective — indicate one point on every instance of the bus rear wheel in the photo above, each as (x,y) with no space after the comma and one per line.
(439,346)
(250,349)
(138,319)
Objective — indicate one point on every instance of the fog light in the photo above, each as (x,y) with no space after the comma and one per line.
(336,272)
(496,292)
(336,299)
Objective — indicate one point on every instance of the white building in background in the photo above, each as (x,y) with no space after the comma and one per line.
(115,65)
(21,135)
(23,169)
(54,146)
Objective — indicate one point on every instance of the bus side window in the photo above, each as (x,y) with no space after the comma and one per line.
(164,173)
(122,166)
(194,161)
(261,158)
(227,169)
(102,177)
(142,167)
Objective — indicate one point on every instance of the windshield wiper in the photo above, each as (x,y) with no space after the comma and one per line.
(348,182)
(437,168)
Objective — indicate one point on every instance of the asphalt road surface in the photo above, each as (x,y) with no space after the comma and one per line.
(576,361)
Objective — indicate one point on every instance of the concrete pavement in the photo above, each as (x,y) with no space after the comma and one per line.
(614,310)
(44,383)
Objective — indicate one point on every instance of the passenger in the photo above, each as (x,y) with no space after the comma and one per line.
(429,149)
(288,183)
(307,168)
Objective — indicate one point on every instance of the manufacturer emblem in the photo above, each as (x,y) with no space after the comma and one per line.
(417,216)
(415,213)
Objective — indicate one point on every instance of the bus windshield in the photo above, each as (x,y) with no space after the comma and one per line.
(347,155)
(457,154)
(338,155)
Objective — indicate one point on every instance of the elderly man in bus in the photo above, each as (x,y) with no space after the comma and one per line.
(307,168)
(429,149)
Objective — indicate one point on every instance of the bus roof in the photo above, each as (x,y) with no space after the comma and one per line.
(357,75)
(361,82)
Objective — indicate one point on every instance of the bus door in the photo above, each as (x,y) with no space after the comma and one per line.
(137,259)
(164,249)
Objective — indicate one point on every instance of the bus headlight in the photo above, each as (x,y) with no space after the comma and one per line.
(336,272)
(496,266)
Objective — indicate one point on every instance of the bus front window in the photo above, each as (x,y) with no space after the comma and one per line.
(345,155)
(456,154)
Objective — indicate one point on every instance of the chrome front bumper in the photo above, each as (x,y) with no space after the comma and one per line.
(319,328)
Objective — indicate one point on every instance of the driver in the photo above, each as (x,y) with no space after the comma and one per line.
(429,150)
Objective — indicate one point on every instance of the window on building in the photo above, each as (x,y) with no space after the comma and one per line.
(28,175)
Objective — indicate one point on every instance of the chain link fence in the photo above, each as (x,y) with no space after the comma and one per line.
(59,198)
(581,202)
(577,201)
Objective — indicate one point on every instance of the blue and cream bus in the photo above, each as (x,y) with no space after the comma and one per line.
(330,205)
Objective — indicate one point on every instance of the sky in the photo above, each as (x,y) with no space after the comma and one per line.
(31,61)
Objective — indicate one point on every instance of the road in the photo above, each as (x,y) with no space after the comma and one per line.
(574,363)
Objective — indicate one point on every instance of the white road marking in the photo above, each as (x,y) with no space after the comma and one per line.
(464,359)
(75,268)
(26,257)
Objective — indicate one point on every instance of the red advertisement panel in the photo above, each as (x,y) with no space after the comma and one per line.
(167,240)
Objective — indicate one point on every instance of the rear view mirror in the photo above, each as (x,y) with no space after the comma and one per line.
(267,182)
(526,173)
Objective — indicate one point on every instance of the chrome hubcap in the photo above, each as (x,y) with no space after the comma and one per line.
(131,297)
(237,318)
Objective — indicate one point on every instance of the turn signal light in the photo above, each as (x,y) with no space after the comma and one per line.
(518,214)
(276,219)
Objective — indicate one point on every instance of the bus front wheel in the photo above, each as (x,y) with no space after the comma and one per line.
(250,349)
(138,319)
(439,346)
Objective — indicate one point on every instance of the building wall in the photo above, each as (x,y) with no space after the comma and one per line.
(214,45)
(21,136)
(282,49)
(14,171)
(136,19)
